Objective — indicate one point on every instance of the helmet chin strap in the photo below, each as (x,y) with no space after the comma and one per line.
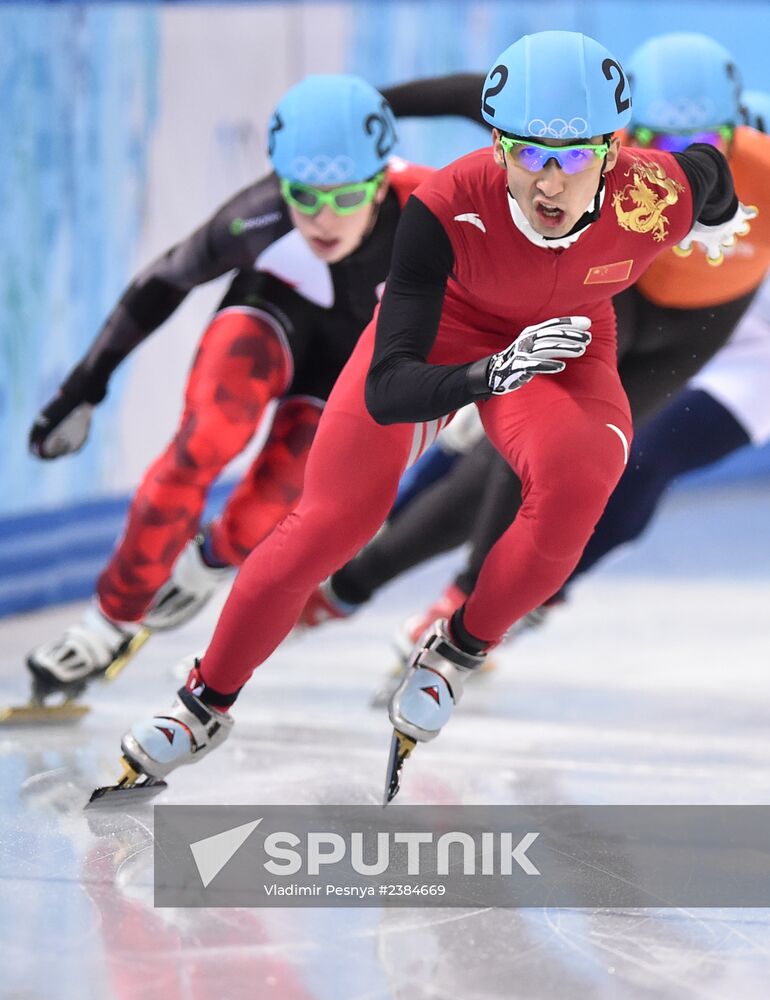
(590,215)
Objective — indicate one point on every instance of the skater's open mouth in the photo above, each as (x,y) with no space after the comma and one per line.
(550,215)
(323,245)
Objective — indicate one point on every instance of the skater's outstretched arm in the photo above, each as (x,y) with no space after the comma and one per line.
(231,239)
(457,94)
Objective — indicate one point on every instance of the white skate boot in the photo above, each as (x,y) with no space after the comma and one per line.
(424,700)
(191,585)
(183,735)
(95,648)
(159,745)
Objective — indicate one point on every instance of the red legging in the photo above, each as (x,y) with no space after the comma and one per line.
(567,437)
(242,363)
(273,484)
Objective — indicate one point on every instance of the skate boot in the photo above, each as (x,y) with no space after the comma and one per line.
(95,648)
(410,631)
(157,746)
(424,700)
(189,588)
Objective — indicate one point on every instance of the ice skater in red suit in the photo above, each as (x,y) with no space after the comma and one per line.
(499,293)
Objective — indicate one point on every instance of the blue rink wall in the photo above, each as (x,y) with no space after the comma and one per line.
(122,127)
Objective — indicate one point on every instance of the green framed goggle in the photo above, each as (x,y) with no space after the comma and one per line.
(341,200)
(533,156)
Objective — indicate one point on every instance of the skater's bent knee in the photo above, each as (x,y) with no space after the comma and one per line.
(562,519)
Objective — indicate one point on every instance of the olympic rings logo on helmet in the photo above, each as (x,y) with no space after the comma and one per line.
(558,128)
(322,169)
(683,81)
(556,85)
(684,113)
(331,129)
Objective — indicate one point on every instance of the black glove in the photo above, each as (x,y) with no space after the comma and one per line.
(61,427)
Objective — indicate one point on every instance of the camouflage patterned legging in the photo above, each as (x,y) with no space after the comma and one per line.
(242,363)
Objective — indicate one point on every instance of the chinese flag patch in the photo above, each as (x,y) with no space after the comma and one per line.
(604,274)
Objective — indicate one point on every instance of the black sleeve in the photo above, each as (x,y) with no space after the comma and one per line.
(713,196)
(401,386)
(218,246)
(456,94)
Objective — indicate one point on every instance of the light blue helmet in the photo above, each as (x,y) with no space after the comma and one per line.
(331,129)
(556,85)
(755,105)
(684,82)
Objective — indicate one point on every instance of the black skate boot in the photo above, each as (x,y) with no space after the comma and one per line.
(94,648)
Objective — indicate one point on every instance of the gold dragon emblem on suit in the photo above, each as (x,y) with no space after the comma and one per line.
(650,192)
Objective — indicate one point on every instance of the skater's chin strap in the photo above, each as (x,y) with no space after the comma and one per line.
(590,215)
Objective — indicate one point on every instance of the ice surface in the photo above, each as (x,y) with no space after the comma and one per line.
(651,686)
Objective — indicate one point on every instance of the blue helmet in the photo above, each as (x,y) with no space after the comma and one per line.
(331,129)
(556,85)
(755,105)
(684,82)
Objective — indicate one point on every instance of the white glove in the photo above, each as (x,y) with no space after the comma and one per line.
(60,429)
(714,239)
(534,352)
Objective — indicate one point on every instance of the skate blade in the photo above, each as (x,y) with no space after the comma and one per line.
(400,748)
(67,713)
(128,654)
(132,789)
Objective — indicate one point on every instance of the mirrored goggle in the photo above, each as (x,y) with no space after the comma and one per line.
(534,155)
(677,142)
(342,200)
